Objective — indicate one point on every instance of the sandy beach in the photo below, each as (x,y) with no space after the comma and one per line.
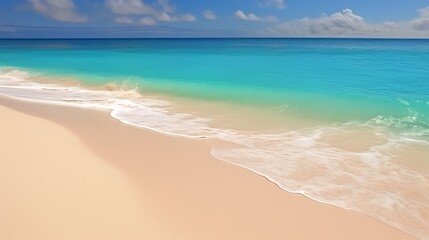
(70,173)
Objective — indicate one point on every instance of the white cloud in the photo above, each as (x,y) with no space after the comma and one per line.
(123,19)
(422,22)
(165,17)
(147,21)
(61,10)
(188,18)
(280,4)
(208,14)
(129,7)
(348,24)
(252,17)
(343,22)
(161,11)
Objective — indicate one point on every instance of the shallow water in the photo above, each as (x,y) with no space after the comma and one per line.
(341,121)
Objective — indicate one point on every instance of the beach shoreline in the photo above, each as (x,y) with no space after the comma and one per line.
(152,186)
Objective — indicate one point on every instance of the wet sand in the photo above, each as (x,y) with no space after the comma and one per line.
(69,173)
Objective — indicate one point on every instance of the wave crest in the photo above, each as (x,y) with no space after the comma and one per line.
(322,163)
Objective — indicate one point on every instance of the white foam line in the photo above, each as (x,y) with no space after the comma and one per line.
(112,112)
(270,179)
(254,144)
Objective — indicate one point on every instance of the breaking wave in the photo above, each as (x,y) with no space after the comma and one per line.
(358,166)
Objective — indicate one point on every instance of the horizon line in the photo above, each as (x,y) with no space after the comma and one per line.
(220,37)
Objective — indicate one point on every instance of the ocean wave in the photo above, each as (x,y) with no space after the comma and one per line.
(352,165)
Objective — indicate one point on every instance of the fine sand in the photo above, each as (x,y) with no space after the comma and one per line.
(68,173)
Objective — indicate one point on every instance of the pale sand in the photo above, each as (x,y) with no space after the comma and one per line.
(68,173)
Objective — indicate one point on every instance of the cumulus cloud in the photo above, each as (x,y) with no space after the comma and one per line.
(165,17)
(252,17)
(188,17)
(208,14)
(422,22)
(61,10)
(280,4)
(339,23)
(147,21)
(348,24)
(162,11)
(129,7)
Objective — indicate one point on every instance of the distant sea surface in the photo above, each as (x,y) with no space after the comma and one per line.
(341,121)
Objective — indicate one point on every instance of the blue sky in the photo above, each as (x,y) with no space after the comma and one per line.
(221,18)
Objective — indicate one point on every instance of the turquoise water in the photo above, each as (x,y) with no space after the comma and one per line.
(337,79)
(366,148)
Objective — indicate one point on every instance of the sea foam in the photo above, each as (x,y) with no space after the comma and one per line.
(299,161)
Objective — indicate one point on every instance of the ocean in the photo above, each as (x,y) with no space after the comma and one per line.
(342,121)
